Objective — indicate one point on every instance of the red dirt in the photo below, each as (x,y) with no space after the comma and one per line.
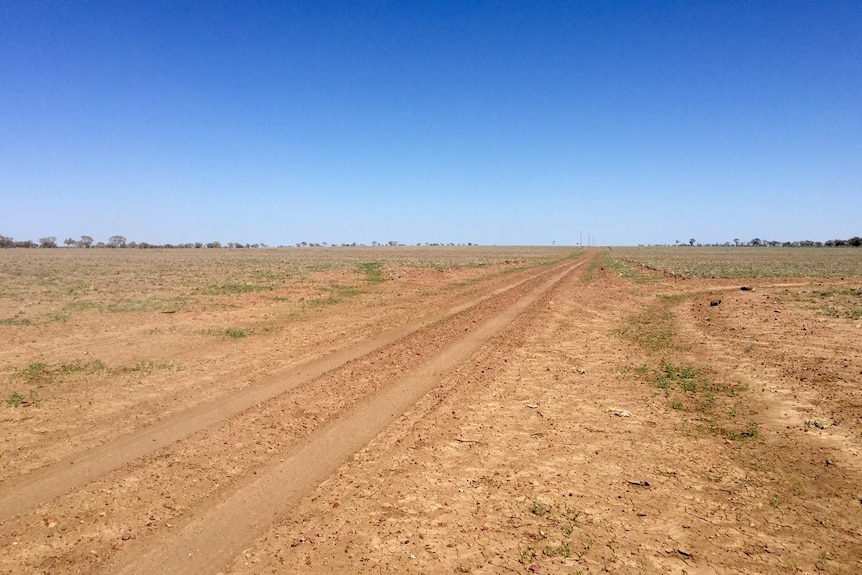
(483,441)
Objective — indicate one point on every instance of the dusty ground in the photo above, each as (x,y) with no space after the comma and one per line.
(582,420)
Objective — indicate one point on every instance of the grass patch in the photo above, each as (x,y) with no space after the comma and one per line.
(15,321)
(141,305)
(748,262)
(596,264)
(337,294)
(839,302)
(15,399)
(231,332)
(67,310)
(35,373)
(149,366)
(653,329)
(39,373)
(234,288)
(709,403)
(627,270)
(552,526)
(92,366)
(373,272)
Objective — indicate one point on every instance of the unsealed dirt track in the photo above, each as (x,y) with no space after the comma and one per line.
(563,420)
(34,488)
(433,345)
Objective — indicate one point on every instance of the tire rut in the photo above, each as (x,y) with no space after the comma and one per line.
(221,525)
(337,381)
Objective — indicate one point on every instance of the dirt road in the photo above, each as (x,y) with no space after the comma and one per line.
(569,420)
(354,398)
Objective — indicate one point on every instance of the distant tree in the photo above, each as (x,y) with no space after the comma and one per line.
(214,245)
(691,242)
(6,242)
(757,242)
(70,243)
(855,241)
(49,242)
(736,241)
(117,241)
(101,245)
(86,242)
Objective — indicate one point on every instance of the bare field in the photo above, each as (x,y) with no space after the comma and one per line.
(430,410)
(747,262)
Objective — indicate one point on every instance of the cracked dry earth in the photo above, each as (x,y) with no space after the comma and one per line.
(576,422)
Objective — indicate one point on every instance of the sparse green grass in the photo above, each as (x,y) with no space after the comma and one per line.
(653,329)
(34,373)
(564,549)
(627,270)
(748,262)
(232,332)
(15,399)
(121,306)
(63,314)
(92,366)
(234,288)
(695,391)
(835,301)
(539,509)
(15,321)
(149,366)
(373,272)
(337,294)
(39,373)
(142,305)
(554,518)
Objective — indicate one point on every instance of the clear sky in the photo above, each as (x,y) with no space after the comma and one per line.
(487,122)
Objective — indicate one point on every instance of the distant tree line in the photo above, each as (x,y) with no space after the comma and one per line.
(853,242)
(119,242)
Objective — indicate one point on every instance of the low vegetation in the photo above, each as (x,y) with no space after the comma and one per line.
(40,375)
(732,262)
(840,302)
(706,401)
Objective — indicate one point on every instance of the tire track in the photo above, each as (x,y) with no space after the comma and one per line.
(222,525)
(27,492)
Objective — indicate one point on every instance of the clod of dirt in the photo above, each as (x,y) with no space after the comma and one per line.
(533,405)
(639,483)
(620,412)
(714,302)
(746,288)
(51,522)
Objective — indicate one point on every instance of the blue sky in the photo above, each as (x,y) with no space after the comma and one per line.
(485,122)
